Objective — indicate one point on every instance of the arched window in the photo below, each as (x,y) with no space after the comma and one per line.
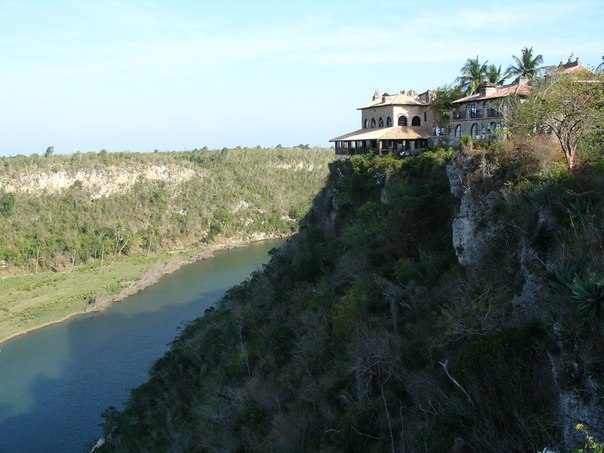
(372,122)
(381,122)
(458,131)
(402,120)
(366,123)
(388,122)
(416,121)
(475,130)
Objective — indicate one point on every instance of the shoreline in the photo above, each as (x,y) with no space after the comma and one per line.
(151,276)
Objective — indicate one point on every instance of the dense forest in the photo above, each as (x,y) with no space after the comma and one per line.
(447,302)
(63,210)
(373,330)
(77,231)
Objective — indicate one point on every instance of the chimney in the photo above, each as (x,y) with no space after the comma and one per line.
(487,88)
(376,94)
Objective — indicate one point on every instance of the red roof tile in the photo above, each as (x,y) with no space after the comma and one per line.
(521,89)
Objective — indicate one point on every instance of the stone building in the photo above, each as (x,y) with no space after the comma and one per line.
(400,123)
(481,114)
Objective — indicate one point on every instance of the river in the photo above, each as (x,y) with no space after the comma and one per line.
(56,382)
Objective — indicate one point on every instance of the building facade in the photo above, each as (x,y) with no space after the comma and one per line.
(400,123)
(483,113)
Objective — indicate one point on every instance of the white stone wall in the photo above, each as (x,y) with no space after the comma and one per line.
(395,111)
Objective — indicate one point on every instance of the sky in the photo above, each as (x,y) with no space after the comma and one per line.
(140,75)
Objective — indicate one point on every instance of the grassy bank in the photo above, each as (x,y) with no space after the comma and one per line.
(30,301)
(78,230)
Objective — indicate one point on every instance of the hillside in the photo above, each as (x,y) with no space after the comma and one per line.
(447,302)
(76,230)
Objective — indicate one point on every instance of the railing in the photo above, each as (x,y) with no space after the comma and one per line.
(464,114)
(458,114)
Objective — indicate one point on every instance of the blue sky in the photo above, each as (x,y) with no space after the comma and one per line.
(139,75)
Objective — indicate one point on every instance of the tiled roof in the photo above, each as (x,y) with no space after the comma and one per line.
(384,133)
(393,99)
(572,67)
(521,89)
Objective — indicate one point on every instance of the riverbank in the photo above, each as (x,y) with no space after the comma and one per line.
(31,302)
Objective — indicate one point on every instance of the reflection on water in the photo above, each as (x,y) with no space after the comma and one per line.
(55,382)
(19,368)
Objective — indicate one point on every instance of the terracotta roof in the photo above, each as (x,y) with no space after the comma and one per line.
(521,89)
(384,133)
(393,99)
(571,67)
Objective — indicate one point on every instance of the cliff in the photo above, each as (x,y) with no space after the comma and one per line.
(550,230)
(60,211)
(446,302)
(110,216)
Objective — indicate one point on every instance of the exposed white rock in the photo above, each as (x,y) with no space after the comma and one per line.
(300,166)
(101,182)
(471,230)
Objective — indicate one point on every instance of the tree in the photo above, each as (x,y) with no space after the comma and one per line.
(473,74)
(569,107)
(49,151)
(526,66)
(494,75)
(442,103)
(7,202)
(600,67)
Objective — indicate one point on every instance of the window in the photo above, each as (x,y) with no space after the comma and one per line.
(381,122)
(388,122)
(425,117)
(458,131)
(372,122)
(416,121)
(402,120)
(475,131)
(365,123)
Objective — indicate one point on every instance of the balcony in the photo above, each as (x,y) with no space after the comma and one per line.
(469,114)
(459,114)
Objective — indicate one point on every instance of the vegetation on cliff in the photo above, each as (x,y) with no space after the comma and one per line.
(364,333)
(64,210)
(75,229)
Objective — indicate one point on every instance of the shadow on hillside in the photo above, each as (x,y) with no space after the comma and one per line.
(107,354)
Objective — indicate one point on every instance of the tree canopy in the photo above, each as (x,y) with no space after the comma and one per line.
(569,107)
(494,75)
(442,103)
(473,74)
(526,66)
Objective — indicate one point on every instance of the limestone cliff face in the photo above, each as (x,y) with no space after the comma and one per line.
(476,232)
(102,182)
(477,235)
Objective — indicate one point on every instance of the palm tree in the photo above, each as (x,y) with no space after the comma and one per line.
(526,66)
(473,74)
(494,75)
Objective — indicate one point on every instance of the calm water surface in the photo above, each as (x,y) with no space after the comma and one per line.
(55,382)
